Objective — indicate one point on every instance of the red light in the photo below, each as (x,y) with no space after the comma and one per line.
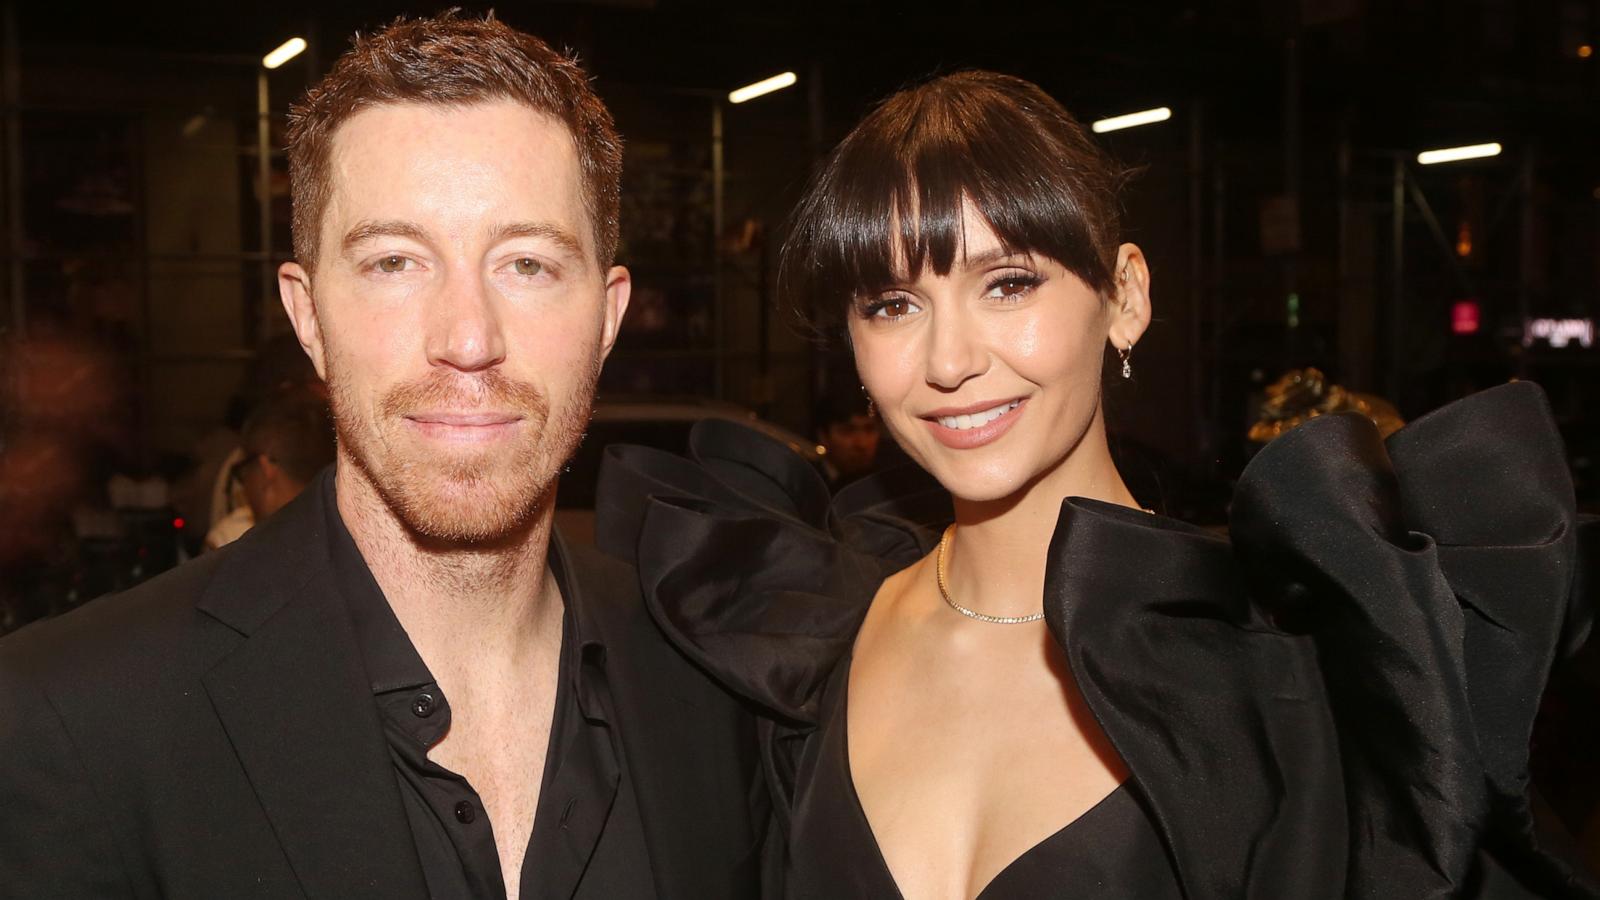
(177,523)
(1464,317)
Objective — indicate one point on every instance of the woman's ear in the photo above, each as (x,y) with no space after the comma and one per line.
(1130,303)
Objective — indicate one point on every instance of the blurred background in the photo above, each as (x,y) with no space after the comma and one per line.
(1282,196)
(1286,198)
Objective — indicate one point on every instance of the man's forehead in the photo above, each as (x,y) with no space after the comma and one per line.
(390,158)
(500,112)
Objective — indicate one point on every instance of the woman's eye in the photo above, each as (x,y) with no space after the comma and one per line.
(528,267)
(1012,287)
(892,308)
(391,265)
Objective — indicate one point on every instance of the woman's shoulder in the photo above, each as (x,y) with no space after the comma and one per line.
(1376,630)
(749,564)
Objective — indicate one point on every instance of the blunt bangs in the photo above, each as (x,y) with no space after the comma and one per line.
(889,200)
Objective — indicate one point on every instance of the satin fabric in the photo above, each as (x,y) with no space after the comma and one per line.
(1335,701)
(1109,852)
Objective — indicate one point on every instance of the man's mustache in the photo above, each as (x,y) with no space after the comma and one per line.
(490,390)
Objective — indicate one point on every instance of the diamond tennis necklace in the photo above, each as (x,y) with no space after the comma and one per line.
(944,591)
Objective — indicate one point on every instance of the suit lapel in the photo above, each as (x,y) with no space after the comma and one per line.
(300,716)
(589,780)
(677,766)
(649,740)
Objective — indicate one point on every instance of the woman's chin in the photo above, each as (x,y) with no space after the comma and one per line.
(982,484)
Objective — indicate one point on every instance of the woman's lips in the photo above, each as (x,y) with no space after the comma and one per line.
(945,424)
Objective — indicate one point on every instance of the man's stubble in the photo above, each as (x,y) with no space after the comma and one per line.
(461,498)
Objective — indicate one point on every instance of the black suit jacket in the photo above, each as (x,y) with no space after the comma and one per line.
(212,734)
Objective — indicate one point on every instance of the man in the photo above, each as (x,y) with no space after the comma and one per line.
(848,432)
(285,442)
(404,684)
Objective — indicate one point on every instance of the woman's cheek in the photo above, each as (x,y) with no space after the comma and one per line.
(1027,342)
(882,364)
(1024,340)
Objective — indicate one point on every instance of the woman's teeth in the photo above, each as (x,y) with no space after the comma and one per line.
(977,419)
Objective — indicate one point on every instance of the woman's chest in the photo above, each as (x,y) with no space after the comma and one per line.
(960,768)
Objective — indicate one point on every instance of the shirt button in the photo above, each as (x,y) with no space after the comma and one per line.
(423,705)
(465,813)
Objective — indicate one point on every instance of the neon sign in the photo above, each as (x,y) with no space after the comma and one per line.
(1558,332)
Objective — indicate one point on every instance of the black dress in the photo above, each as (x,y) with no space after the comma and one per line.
(1111,852)
(1334,702)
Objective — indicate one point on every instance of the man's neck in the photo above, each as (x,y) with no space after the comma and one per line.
(465,607)
(486,620)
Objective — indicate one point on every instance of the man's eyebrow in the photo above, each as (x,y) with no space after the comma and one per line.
(366,231)
(563,238)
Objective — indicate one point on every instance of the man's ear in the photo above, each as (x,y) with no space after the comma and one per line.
(294,289)
(1130,304)
(619,287)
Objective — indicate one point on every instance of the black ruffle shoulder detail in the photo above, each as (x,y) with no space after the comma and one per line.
(1334,701)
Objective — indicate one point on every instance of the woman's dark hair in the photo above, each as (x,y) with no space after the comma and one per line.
(890,194)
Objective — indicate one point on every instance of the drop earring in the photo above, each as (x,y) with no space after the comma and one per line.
(872,408)
(1127,367)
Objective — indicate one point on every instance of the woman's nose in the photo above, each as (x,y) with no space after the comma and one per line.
(954,351)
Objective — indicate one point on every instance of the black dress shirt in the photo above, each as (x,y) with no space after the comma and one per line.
(586,813)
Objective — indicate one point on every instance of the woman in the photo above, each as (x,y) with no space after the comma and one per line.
(1061,694)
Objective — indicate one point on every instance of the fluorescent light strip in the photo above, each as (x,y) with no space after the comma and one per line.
(1454,154)
(1131,120)
(764,86)
(286,51)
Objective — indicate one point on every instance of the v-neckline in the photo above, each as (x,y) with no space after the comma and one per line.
(865,824)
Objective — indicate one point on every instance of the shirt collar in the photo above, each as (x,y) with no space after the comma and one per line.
(391,659)
(589,663)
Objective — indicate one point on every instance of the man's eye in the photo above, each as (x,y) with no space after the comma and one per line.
(528,267)
(391,265)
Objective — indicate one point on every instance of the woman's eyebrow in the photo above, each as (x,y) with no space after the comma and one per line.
(989,257)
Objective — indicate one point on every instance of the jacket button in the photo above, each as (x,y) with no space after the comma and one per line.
(465,813)
(423,705)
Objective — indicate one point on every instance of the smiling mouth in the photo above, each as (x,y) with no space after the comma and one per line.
(969,421)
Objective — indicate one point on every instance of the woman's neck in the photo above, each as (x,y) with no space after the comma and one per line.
(996,558)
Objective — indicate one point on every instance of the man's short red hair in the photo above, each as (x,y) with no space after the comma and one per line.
(450,60)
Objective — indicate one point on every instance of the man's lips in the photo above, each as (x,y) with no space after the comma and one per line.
(463,427)
(464,419)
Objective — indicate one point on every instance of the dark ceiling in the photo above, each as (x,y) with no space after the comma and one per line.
(1397,72)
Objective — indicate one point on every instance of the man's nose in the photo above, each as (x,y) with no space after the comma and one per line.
(464,328)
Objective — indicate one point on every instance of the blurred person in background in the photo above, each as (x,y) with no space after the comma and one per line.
(405,684)
(65,424)
(848,432)
(208,493)
(287,441)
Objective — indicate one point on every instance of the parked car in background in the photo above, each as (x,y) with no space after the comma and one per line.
(650,422)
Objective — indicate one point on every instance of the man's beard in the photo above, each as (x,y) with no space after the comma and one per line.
(473,497)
